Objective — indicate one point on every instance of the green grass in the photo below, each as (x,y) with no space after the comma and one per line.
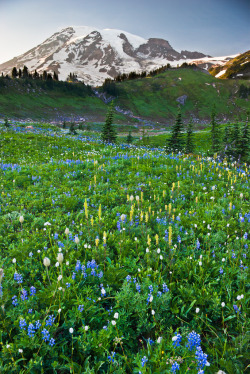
(155,98)
(161,250)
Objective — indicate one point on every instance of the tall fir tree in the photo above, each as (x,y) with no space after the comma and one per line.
(35,75)
(19,73)
(6,123)
(190,139)
(227,140)
(129,138)
(25,73)
(14,72)
(245,143)
(236,141)
(176,143)
(215,134)
(108,132)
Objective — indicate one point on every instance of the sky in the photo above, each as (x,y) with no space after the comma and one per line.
(214,27)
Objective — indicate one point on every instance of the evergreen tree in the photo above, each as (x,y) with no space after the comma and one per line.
(215,134)
(19,73)
(72,130)
(190,139)
(45,75)
(129,138)
(108,132)
(227,140)
(245,143)
(25,73)
(14,72)
(35,75)
(236,144)
(6,123)
(176,141)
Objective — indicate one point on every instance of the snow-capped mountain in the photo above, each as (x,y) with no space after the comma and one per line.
(94,54)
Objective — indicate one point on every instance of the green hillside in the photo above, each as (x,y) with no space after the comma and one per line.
(151,98)
(49,100)
(156,98)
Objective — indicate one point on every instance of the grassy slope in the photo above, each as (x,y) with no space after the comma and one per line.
(19,101)
(155,98)
(150,98)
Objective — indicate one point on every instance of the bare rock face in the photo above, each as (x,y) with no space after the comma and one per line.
(94,55)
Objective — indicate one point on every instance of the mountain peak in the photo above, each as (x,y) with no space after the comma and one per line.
(96,54)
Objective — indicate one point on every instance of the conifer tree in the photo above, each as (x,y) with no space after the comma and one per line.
(25,73)
(245,143)
(190,139)
(14,72)
(227,140)
(236,143)
(176,142)
(129,138)
(35,75)
(108,132)
(215,134)
(72,130)
(6,123)
(19,73)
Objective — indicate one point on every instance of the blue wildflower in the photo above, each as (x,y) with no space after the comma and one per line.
(32,291)
(175,367)
(194,340)
(201,358)
(31,330)
(22,324)
(111,357)
(52,342)
(45,335)
(143,361)
(24,294)
(165,288)
(50,320)
(176,340)
(14,300)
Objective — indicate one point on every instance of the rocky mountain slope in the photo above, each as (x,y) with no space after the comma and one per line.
(94,54)
(238,67)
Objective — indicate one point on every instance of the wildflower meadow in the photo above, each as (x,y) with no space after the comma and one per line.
(120,258)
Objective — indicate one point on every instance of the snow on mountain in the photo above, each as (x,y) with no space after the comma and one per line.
(94,55)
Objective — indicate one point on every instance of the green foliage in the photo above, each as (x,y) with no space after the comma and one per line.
(156,246)
(176,142)
(130,138)
(6,123)
(108,132)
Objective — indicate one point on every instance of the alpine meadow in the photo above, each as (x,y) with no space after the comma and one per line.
(124,205)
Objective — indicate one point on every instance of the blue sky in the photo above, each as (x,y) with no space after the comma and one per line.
(215,27)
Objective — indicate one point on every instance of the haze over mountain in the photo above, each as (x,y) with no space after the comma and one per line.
(93,54)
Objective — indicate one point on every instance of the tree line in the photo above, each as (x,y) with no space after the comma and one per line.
(232,141)
(25,74)
(44,76)
(109,85)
